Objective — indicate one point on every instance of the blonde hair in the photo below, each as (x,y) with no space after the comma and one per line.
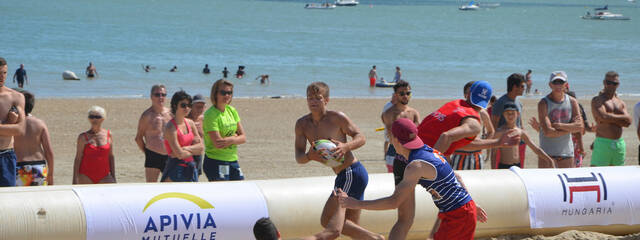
(216,88)
(99,110)
(320,88)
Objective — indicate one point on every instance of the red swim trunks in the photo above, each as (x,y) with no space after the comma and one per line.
(457,224)
(372,82)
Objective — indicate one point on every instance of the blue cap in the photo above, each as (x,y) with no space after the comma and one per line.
(480,93)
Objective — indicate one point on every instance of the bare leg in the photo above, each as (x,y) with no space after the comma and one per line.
(151,174)
(406,213)
(83,179)
(565,162)
(108,179)
(350,228)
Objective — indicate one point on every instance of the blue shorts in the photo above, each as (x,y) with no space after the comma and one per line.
(217,170)
(7,168)
(353,180)
(177,170)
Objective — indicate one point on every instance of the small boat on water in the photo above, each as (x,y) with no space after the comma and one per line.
(384,84)
(346,3)
(319,6)
(603,14)
(470,7)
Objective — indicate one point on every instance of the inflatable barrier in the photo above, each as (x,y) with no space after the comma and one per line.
(517,201)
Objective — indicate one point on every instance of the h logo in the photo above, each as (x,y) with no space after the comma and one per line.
(577,184)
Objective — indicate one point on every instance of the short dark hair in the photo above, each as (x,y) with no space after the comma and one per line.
(467,86)
(3,62)
(515,79)
(264,229)
(611,74)
(29,101)
(399,84)
(177,97)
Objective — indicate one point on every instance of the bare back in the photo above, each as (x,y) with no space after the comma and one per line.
(614,105)
(29,146)
(332,126)
(154,124)
(394,113)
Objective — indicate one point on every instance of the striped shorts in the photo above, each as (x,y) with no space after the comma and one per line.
(463,160)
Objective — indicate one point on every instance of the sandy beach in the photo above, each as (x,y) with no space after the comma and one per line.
(269,124)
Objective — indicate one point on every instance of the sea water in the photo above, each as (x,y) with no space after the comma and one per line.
(437,46)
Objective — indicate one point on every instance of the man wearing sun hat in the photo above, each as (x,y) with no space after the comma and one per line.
(559,116)
(427,167)
(457,123)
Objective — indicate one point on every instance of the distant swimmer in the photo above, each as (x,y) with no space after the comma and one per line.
(264,79)
(240,72)
(91,70)
(373,76)
(174,69)
(206,69)
(398,75)
(225,73)
(21,76)
(529,82)
(147,68)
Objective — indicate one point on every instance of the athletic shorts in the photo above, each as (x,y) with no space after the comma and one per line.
(457,224)
(463,160)
(154,160)
(399,164)
(389,157)
(507,166)
(372,82)
(31,173)
(608,152)
(178,170)
(217,170)
(198,160)
(7,168)
(353,180)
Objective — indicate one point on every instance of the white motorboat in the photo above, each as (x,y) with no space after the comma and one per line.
(469,7)
(603,14)
(319,6)
(348,3)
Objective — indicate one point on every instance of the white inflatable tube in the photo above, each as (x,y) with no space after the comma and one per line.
(517,202)
(69,75)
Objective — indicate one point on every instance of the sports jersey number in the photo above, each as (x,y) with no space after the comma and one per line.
(439,116)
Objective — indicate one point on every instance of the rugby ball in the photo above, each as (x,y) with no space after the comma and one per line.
(325,148)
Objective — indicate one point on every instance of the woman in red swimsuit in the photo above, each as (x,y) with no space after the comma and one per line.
(182,141)
(94,156)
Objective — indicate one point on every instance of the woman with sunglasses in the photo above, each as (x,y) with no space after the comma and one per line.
(94,161)
(182,141)
(223,133)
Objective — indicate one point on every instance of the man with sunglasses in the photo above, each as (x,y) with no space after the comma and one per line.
(611,115)
(400,109)
(149,137)
(559,116)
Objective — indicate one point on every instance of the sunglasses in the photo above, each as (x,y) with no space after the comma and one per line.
(95,117)
(224,93)
(609,82)
(159,94)
(557,82)
(407,93)
(185,105)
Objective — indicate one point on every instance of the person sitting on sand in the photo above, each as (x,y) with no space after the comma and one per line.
(206,69)
(91,71)
(94,162)
(182,141)
(33,149)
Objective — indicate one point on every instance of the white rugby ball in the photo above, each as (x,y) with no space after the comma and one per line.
(325,148)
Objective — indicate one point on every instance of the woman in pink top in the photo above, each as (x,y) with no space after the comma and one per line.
(182,141)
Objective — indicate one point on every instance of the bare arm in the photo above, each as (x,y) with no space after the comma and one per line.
(602,116)
(300,144)
(76,163)
(576,124)
(487,122)
(142,123)
(412,174)
(470,127)
(541,154)
(48,153)
(18,128)
(171,135)
(357,138)
(236,139)
(545,122)
(196,146)
(112,162)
